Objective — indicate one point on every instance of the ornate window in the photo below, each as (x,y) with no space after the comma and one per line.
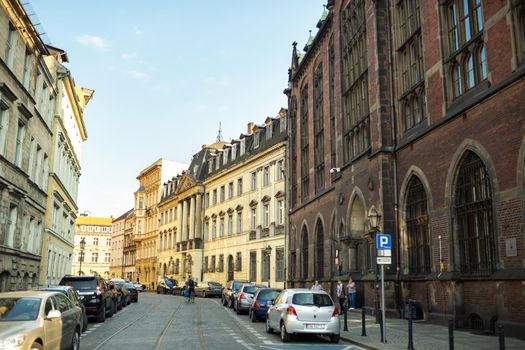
(319,250)
(304,254)
(473,209)
(356,125)
(279,265)
(293,152)
(417,228)
(293,255)
(411,68)
(253,266)
(318,128)
(238,262)
(331,87)
(265,266)
(305,154)
(466,55)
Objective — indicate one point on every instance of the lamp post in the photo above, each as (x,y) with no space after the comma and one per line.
(268,253)
(374,219)
(81,256)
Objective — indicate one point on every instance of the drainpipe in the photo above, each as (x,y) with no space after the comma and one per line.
(394,159)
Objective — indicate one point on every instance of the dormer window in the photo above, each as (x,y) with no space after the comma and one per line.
(225,156)
(234,151)
(218,161)
(269,128)
(256,139)
(243,147)
(210,165)
(282,124)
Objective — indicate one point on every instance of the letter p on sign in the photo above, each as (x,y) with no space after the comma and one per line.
(384,241)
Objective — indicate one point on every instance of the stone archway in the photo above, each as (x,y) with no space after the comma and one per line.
(230,268)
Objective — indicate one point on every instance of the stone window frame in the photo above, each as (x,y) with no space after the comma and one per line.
(518,19)
(293,151)
(318,124)
(331,97)
(465,57)
(356,115)
(305,147)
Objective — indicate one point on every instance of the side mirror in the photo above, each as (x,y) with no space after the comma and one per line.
(53,314)
(270,302)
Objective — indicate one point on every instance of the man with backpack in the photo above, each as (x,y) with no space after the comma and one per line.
(190,286)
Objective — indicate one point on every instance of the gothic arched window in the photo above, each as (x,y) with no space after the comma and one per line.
(319,250)
(417,227)
(473,211)
(304,254)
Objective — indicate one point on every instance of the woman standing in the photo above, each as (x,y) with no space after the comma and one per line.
(351,293)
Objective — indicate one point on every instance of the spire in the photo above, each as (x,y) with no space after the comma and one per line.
(309,42)
(219,134)
(324,15)
(295,57)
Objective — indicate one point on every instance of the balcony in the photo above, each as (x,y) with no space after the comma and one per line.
(265,232)
(252,235)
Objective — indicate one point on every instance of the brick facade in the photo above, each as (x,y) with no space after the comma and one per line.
(483,119)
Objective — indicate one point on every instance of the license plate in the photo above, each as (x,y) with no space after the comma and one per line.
(314,326)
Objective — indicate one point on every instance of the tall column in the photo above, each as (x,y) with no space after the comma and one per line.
(179,223)
(192,218)
(198,223)
(185,220)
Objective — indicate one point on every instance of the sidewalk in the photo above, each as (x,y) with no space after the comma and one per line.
(425,336)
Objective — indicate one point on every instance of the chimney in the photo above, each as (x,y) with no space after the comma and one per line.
(250,128)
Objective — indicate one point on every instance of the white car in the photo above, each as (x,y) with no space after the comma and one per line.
(296,311)
(138,286)
(39,320)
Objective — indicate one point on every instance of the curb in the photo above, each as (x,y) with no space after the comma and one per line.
(351,341)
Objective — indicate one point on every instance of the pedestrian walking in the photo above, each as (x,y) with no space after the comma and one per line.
(341,295)
(351,293)
(316,286)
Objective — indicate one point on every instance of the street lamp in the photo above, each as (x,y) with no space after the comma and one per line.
(374,219)
(268,253)
(81,256)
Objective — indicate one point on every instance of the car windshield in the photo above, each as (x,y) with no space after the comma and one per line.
(236,286)
(19,309)
(81,284)
(168,283)
(215,284)
(312,299)
(129,285)
(250,289)
(268,294)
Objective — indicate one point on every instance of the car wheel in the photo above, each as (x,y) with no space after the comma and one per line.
(230,303)
(334,338)
(238,310)
(268,328)
(101,317)
(223,301)
(285,336)
(112,309)
(84,322)
(158,291)
(204,294)
(253,317)
(36,346)
(75,341)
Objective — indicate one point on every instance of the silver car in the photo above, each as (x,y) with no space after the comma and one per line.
(297,311)
(244,299)
(39,320)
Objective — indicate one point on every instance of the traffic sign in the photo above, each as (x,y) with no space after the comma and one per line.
(384,260)
(384,252)
(383,241)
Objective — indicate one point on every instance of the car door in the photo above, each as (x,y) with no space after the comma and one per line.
(52,328)
(273,311)
(69,321)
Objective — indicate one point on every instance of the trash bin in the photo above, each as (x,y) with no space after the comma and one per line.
(412,310)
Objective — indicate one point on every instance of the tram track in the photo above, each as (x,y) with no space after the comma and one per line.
(167,326)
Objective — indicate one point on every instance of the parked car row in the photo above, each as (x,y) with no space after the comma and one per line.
(288,311)
(53,317)
(203,289)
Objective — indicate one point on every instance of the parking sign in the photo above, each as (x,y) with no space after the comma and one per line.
(383,241)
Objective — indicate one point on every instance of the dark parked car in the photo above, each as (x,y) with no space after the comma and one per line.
(262,298)
(229,290)
(133,292)
(208,289)
(125,296)
(72,294)
(96,296)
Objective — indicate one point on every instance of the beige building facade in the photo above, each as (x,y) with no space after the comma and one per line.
(129,249)
(96,255)
(116,264)
(26,108)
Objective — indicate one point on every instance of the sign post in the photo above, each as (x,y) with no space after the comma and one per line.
(384,257)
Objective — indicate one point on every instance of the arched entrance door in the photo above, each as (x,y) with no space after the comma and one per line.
(230,267)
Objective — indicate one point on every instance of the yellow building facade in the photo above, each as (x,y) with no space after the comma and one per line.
(224,217)
(146,214)
(96,255)
(69,132)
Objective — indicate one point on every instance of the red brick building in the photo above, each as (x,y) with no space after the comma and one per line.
(413,109)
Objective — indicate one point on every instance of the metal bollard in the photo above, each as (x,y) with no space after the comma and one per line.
(381,326)
(410,335)
(363,326)
(346,319)
(501,337)
(451,333)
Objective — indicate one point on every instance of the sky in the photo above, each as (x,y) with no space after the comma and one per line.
(165,73)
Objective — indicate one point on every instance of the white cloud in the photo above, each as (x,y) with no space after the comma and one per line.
(138,75)
(94,41)
(128,56)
